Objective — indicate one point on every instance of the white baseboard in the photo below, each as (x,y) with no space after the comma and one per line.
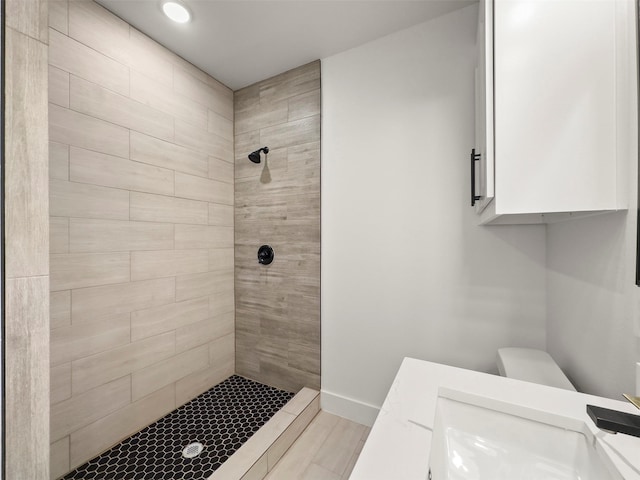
(348,408)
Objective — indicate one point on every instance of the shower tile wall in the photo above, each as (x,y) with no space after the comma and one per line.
(26,282)
(141,242)
(277,202)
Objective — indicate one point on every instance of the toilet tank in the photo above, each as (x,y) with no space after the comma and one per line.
(532,365)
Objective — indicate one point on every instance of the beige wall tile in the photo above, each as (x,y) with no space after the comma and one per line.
(153,321)
(221,126)
(85,339)
(59,235)
(79,270)
(96,168)
(96,101)
(221,366)
(89,304)
(26,152)
(150,58)
(220,170)
(155,264)
(292,83)
(73,128)
(203,284)
(216,99)
(161,97)
(114,210)
(154,151)
(26,352)
(98,436)
(158,208)
(304,105)
(60,309)
(305,357)
(201,140)
(98,369)
(58,87)
(191,69)
(221,89)
(58,15)
(305,130)
(58,161)
(221,215)
(59,458)
(69,199)
(168,371)
(278,336)
(80,410)
(92,25)
(60,383)
(245,143)
(250,216)
(203,236)
(286,376)
(204,331)
(304,158)
(25,348)
(221,350)
(71,56)
(198,188)
(29,18)
(221,259)
(261,115)
(221,302)
(246,98)
(89,235)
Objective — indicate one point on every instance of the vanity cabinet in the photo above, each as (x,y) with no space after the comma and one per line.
(553,105)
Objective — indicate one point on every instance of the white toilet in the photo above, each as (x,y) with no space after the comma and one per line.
(532,365)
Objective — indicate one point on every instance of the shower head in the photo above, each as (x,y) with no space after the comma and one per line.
(255,156)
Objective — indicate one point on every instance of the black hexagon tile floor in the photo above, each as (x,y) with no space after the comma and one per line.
(221,419)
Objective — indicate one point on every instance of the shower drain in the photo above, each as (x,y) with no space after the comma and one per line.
(192,450)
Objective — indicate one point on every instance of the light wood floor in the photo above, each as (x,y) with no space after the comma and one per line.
(326,450)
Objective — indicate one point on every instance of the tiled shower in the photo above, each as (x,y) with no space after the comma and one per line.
(277,202)
(155,297)
(141,232)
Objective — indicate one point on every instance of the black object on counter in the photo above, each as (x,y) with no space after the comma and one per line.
(615,421)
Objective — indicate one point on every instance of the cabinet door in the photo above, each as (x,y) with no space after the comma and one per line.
(484,106)
(555,105)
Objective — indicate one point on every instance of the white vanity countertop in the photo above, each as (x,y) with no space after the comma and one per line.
(398,445)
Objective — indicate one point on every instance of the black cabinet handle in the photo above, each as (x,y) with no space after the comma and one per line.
(475,157)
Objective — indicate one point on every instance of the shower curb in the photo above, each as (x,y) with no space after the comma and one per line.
(257,457)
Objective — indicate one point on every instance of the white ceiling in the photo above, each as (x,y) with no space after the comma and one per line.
(240,42)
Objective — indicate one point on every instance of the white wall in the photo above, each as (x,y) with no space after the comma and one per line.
(592,302)
(405,271)
(593,329)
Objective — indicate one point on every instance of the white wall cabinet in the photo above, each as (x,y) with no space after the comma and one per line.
(551,87)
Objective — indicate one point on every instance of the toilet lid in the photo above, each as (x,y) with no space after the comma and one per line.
(532,365)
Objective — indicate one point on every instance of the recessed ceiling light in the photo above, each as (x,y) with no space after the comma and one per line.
(176,11)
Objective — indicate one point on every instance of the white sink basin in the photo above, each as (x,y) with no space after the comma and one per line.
(477,438)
